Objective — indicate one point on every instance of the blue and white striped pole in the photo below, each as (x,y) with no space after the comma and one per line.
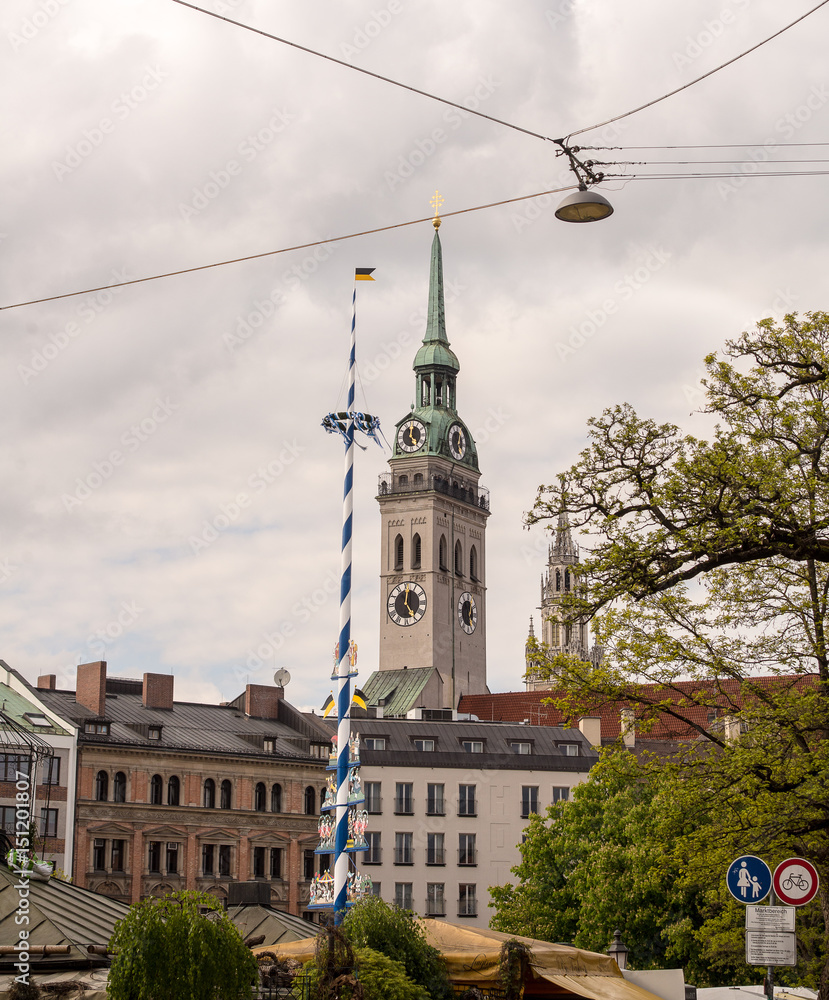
(344,667)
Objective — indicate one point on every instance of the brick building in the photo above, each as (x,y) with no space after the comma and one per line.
(177,795)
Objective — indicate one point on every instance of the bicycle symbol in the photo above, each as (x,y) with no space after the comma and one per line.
(795,881)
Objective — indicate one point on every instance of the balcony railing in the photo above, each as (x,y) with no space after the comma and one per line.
(404,856)
(403,806)
(468,857)
(435,856)
(435,907)
(435,807)
(475,496)
(467,907)
(373,856)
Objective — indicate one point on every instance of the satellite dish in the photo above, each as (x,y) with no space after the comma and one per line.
(281,677)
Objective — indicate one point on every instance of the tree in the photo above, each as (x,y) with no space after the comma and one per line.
(708,587)
(166,949)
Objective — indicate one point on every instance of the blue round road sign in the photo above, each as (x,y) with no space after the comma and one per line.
(748,879)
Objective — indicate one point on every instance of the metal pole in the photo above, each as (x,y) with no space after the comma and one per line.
(343,670)
(773,901)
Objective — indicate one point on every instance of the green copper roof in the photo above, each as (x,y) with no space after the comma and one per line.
(436,350)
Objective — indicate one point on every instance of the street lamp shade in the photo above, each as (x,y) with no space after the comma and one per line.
(618,950)
(584,206)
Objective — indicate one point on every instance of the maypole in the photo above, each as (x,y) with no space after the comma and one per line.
(348,833)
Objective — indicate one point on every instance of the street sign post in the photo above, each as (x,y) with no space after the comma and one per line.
(748,879)
(796,881)
(771,948)
(770,918)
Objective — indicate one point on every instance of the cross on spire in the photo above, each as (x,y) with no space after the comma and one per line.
(436,202)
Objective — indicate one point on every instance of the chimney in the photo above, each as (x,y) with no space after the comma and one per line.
(381,707)
(157,691)
(591,728)
(46,682)
(628,727)
(262,701)
(91,686)
(733,729)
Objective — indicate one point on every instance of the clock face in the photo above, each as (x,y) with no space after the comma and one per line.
(457,441)
(467,612)
(407,604)
(411,435)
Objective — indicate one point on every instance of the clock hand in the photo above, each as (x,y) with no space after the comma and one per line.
(411,435)
(406,603)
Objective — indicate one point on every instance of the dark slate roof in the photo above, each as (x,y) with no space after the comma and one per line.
(547,754)
(400,688)
(191,726)
(60,913)
(279,927)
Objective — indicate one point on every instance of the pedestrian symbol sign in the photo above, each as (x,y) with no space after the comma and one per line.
(748,879)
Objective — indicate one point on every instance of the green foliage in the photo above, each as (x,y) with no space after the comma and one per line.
(372,923)
(380,978)
(165,949)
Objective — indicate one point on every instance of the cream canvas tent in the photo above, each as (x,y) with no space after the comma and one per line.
(472,957)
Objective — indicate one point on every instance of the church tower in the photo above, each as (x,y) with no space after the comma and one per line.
(560,578)
(433,556)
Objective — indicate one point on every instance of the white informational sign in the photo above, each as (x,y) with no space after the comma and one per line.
(771,948)
(770,918)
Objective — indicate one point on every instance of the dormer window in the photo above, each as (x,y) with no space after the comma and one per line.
(96,728)
(426,746)
(569,749)
(375,743)
(154,733)
(520,747)
(472,746)
(269,746)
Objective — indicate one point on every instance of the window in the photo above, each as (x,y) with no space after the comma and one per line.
(403,805)
(416,551)
(569,749)
(259,862)
(37,719)
(521,747)
(375,889)
(467,855)
(154,733)
(374,801)
(434,800)
(259,797)
(375,743)
(156,785)
(473,563)
(208,859)
(154,857)
(308,864)
(398,552)
(172,858)
(458,559)
(435,854)
(99,728)
(561,793)
(373,856)
(12,764)
(403,895)
(442,553)
(276,862)
(418,480)
(467,901)
(225,795)
(403,852)
(529,800)
(426,746)
(119,787)
(173,790)
(403,481)
(276,798)
(51,771)
(466,800)
(48,822)
(224,859)
(472,746)
(435,901)
(101,786)
(310,801)
(117,855)
(7,819)
(209,794)
(99,861)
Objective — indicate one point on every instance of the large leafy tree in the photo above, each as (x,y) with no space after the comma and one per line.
(708,587)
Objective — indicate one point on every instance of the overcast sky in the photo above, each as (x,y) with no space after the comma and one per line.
(170,502)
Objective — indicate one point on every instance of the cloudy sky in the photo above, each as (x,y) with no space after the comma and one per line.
(170,501)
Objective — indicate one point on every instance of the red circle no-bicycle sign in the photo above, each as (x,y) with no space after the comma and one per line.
(795,881)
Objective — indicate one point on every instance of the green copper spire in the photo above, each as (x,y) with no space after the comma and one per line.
(436,350)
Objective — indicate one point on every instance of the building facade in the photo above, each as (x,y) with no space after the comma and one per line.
(175,795)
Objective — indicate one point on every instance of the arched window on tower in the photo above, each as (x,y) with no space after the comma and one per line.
(156,788)
(310,801)
(424,392)
(438,392)
(418,480)
(101,786)
(119,787)
(567,579)
(416,552)
(398,552)
(259,797)
(403,481)
(442,554)
(458,559)
(226,795)
(209,794)
(276,798)
(173,791)
(473,563)
(558,579)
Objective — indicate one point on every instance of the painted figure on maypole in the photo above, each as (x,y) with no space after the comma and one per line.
(344,835)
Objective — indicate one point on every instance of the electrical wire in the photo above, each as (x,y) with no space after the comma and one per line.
(722,145)
(271,253)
